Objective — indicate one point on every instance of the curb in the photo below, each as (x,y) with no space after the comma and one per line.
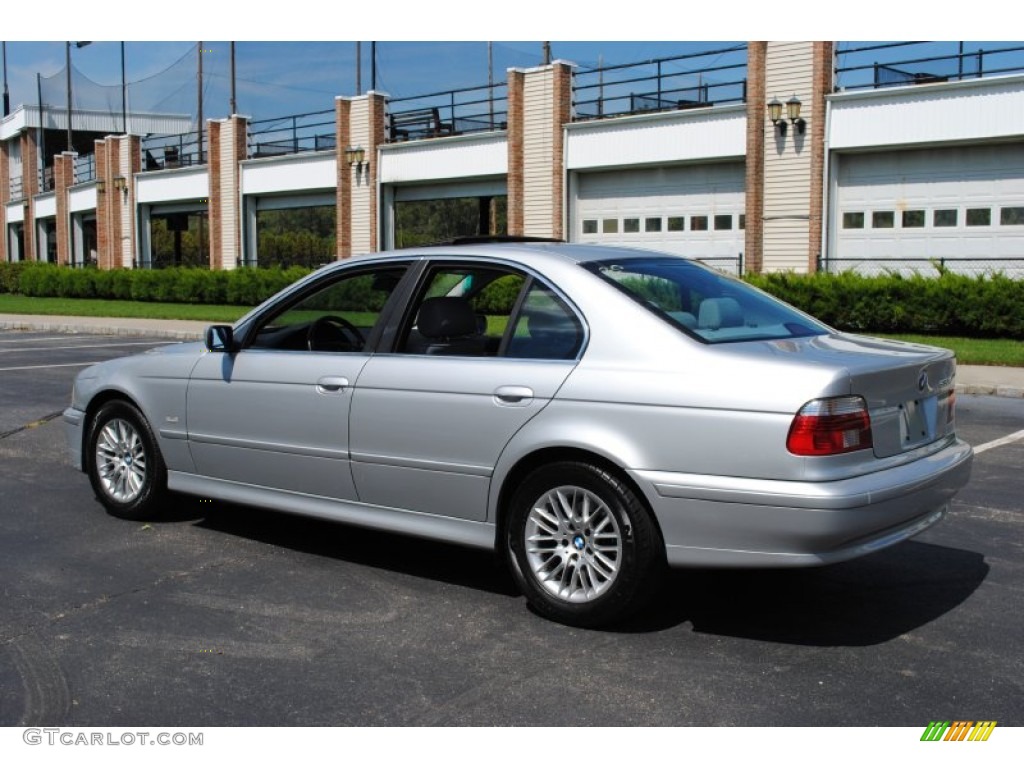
(109,330)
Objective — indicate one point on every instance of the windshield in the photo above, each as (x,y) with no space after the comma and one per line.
(713,307)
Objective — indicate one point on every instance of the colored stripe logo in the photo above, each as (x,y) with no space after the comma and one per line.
(958,730)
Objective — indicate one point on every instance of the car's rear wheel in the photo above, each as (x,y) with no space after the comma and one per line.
(582,545)
(124,463)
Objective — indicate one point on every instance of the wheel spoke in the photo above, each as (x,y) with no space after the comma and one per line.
(572,544)
(120,458)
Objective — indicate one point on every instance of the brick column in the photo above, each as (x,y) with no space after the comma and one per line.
(824,74)
(226,151)
(753,258)
(5,195)
(63,178)
(514,183)
(539,105)
(118,159)
(360,122)
(793,162)
(343,133)
(30,188)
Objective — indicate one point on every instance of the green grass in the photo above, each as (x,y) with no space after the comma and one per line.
(968,351)
(971,351)
(27,305)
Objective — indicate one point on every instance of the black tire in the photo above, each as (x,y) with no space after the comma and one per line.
(578,570)
(124,463)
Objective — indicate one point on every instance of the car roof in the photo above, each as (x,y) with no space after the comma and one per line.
(535,252)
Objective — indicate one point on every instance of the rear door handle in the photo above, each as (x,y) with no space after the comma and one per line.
(513,395)
(327,385)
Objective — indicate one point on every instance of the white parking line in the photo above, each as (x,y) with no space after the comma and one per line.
(42,338)
(91,346)
(55,365)
(1001,441)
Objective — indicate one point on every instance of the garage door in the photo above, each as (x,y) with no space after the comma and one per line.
(695,211)
(963,205)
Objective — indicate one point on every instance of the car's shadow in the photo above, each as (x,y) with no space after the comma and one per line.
(858,603)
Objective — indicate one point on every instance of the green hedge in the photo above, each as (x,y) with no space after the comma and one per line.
(183,285)
(989,306)
(952,305)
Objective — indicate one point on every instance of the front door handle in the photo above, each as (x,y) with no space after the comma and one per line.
(327,385)
(513,395)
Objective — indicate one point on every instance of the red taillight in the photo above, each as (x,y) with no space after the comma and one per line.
(829,427)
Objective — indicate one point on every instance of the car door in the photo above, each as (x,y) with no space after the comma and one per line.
(481,350)
(275,413)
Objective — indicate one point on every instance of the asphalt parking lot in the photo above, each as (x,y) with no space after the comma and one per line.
(232,616)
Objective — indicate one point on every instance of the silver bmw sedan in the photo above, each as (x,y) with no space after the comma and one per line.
(592,414)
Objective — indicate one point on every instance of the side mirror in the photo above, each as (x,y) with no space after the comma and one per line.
(220,338)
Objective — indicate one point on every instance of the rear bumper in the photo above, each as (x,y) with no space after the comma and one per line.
(724,521)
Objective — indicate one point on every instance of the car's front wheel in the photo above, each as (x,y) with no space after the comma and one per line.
(582,546)
(124,463)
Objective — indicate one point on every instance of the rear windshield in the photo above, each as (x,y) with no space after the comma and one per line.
(708,305)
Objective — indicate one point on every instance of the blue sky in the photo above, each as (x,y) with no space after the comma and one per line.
(294,74)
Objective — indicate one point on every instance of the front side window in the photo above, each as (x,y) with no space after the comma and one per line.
(338,316)
(711,306)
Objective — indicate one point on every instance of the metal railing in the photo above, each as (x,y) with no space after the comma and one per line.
(732,265)
(917,62)
(174,151)
(16,187)
(1007,266)
(678,82)
(291,134)
(85,168)
(449,113)
(46,182)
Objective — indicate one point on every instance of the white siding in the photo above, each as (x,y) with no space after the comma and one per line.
(177,184)
(787,161)
(456,157)
(538,150)
(667,137)
(128,209)
(362,227)
(229,223)
(290,173)
(988,108)
(45,205)
(82,198)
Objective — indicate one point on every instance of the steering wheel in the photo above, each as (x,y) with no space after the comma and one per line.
(331,333)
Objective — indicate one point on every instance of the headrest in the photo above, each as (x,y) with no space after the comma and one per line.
(446,317)
(719,313)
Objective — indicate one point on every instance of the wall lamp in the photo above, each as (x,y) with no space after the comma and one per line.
(101,186)
(120,183)
(792,112)
(355,156)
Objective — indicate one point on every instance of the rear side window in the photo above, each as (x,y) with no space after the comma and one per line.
(484,310)
(711,306)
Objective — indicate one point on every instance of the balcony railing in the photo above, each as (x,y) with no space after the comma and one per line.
(678,82)
(174,151)
(448,113)
(16,187)
(85,168)
(881,65)
(309,132)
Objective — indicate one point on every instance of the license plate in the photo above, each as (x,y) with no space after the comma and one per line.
(919,420)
